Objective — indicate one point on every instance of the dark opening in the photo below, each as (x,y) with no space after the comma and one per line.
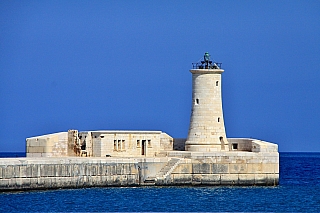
(197,101)
(143,147)
(222,143)
(235,146)
(217,83)
(83,146)
(218,119)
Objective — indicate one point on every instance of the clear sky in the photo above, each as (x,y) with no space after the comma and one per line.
(124,65)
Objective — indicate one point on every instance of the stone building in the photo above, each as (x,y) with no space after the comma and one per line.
(104,143)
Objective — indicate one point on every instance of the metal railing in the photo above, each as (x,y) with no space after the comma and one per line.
(206,65)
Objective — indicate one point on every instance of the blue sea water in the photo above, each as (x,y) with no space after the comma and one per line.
(299,191)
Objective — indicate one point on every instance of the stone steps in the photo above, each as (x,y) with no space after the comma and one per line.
(164,172)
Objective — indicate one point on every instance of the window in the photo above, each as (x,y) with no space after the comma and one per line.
(138,143)
(149,143)
(234,146)
(102,136)
(196,102)
(219,119)
(115,145)
(119,145)
(217,83)
(123,145)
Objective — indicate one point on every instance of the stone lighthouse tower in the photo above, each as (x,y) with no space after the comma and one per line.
(206,132)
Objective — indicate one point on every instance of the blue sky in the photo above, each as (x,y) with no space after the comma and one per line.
(124,65)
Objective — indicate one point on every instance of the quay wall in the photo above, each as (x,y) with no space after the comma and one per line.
(77,172)
(50,173)
(225,168)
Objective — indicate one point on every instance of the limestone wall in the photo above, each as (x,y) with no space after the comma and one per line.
(51,145)
(130,143)
(251,145)
(233,168)
(249,162)
(48,173)
(99,144)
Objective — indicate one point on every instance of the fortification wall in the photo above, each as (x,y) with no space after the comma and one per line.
(50,173)
(225,168)
(76,172)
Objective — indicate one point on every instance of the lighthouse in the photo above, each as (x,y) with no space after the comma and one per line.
(206,131)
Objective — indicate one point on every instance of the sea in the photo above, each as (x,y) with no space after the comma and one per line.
(299,191)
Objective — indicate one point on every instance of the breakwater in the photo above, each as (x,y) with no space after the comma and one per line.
(233,168)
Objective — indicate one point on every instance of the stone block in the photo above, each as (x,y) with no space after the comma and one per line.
(201,168)
(119,169)
(35,149)
(260,179)
(183,169)
(247,179)
(211,179)
(104,169)
(57,170)
(21,171)
(181,179)
(254,168)
(272,179)
(110,179)
(268,168)
(132,180)
(229,179)
(238,168)
(220,168)
(33,143)
(36,170)
(33,183)
(196,179)
(22,182)
(8,172)
(4,183)
(29,170)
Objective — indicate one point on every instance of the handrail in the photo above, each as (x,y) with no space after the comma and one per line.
(207,65)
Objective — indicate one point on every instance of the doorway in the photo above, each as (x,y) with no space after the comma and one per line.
(222,143)
(143,147)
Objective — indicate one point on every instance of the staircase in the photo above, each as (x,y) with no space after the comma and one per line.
(164,172)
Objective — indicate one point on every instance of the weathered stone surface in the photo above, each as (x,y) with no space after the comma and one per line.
(43,173)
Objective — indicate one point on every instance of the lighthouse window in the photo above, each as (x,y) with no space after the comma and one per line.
(217,83)
(218,119)
(197,101)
